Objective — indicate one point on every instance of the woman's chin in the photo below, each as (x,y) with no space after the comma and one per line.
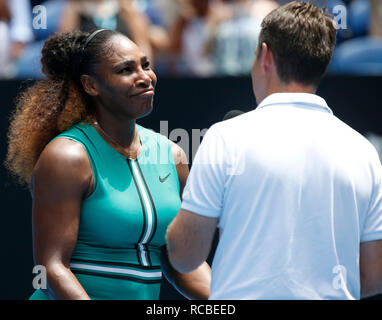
(147,111)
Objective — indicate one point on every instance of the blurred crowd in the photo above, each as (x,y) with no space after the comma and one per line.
(199,38)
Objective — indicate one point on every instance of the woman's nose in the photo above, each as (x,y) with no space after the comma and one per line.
(144,80)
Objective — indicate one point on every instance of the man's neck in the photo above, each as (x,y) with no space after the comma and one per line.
(292,87)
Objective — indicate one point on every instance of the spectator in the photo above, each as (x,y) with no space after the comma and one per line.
(4,11)
(15,32)
(191,33)
(211,37)
(261,8)
(169,11)
(119,15)
(160,14)
(236,38)
(376,18)
(5,18)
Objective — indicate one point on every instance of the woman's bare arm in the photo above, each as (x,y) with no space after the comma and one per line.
(62,179)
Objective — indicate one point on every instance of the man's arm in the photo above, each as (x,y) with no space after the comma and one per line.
(189,238)
(371,268)
(196,284)
(370,259)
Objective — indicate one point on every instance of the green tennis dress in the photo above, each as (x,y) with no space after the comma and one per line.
(124,221)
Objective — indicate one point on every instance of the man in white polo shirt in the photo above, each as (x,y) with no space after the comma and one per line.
(295,192)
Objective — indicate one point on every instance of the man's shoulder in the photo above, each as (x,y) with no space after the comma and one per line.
(239,122)
(353,135)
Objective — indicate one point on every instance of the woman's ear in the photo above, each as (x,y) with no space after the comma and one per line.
(90,85)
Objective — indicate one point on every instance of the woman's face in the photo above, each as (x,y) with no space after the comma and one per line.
(124,80)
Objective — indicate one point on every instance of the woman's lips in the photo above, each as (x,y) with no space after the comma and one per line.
(146,93)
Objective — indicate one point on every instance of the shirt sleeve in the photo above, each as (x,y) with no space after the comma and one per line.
(372,229)
(204,191)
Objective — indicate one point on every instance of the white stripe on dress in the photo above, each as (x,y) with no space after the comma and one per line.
(148,210)
(117,270)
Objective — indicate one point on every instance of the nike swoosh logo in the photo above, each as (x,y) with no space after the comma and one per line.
(164,179)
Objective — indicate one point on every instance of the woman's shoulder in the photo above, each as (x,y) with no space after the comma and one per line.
(63,158)
(77,130)
(81,132)
(62,170)
(178,153)
(62,151)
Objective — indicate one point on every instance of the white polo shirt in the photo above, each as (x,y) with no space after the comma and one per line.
(295,190)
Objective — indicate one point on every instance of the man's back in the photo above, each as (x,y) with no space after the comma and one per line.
(296,192)
(299,196)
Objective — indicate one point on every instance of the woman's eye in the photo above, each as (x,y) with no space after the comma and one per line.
(124,70)
(146,65)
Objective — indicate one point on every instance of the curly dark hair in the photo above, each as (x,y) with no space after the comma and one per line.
(54,104)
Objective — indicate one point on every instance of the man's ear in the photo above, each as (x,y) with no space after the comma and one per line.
(90,85)
(267,59)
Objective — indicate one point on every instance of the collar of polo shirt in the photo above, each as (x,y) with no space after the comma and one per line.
(305,100)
